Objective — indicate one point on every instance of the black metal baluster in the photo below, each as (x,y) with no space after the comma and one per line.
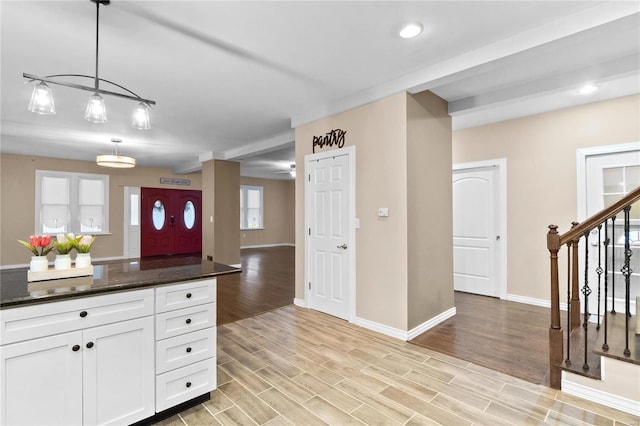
(605,345)
(613,265)
(568,360)
(626,272)
(599,272)
(586,291)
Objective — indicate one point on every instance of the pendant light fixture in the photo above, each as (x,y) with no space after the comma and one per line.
(42,97)
(115,160)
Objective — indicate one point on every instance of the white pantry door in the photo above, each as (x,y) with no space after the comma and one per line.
(474,231)
(327,213)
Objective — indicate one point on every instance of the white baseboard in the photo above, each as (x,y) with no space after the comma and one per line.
(268,245)
(401,334)
(427,325)
(610,400)
(236,265)
(532,301)
(380,328)
(300,302)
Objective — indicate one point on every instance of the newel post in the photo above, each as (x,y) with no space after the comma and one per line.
(555,331)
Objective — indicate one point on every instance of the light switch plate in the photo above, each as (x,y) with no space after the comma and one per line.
(383,212)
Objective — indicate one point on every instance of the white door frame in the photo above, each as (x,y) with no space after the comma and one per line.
(581,169)
(128,251)
(500,164)
(350,151)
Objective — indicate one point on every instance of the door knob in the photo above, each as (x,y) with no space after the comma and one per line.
(343,246)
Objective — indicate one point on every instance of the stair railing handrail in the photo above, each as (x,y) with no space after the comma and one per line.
(577,231)
(554,242)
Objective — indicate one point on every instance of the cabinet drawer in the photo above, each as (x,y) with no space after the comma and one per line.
(29,322)
(185,349)
(192,293)
(185,383)
(174,323)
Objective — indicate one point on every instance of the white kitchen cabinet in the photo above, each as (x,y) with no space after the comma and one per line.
(42,381)
(118,373)
(103,374)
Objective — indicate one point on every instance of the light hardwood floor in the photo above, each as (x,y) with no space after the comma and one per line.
(294,366)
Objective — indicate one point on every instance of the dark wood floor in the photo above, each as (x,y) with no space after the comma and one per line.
(504,336)
(267,282)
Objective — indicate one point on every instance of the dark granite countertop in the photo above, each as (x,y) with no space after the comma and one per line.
(110,276)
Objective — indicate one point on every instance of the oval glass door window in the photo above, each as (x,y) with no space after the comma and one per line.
(189,215)
(157,215)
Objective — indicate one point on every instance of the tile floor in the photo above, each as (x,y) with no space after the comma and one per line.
(294,366)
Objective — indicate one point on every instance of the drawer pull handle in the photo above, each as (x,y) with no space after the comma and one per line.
(188,295)
(188,384)
(89,345)
(188,350)
(75,348)
(83,314)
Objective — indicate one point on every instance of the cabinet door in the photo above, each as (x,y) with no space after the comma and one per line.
(41,381)
(119,375)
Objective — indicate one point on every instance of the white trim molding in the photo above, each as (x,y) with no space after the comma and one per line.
(401,334)
(268,245)
(532,301)
(605,398)
(300,302)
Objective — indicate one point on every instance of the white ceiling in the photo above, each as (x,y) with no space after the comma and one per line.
(232,78)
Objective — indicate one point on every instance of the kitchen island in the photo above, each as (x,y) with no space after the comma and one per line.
(133,343)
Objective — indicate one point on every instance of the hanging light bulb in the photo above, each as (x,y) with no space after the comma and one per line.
(140,118)
(96,111)
(42,100)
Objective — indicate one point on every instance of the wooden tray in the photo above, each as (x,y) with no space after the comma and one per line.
(55,274)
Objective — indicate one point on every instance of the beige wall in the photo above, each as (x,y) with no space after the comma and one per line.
(541,181)
(279,213)
(386,275)
(430,245)
(17,200)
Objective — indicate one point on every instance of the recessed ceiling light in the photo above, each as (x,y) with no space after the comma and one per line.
(411,30)
(588,89)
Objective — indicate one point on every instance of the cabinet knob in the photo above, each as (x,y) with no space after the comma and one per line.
(75,348)
(89,345)
(188,295)
(188,350)
(188,384)
(83,314)
(188,321)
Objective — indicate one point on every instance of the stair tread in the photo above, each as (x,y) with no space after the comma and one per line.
(616,340)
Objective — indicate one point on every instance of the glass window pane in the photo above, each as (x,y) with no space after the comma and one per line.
(91,191)
(189,215)
(55,190)
(90,219)
(253,216)
(632,178)
(611,199)
(54,219)
(613,180)
(158,215)
(135,214)
(253,199)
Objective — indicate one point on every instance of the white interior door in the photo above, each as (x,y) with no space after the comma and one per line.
(609,177)
(131,238)
(474,231)
(329,242)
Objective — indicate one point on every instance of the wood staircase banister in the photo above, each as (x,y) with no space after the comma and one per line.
(577,231)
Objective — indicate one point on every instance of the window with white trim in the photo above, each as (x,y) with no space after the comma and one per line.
(251,207)
(71,202)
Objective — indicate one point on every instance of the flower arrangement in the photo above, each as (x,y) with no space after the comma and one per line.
(64,243)
(38,245)
(83,243)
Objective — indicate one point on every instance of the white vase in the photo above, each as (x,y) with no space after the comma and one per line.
(83,260)
(39,263)
(62,261)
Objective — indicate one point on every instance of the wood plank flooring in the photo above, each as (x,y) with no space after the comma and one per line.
(266,282)
(504,336)
(295,366)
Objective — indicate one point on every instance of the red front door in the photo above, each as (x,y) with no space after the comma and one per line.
(171,221)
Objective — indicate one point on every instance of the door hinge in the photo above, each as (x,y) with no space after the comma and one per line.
(309,285)
(309,231)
